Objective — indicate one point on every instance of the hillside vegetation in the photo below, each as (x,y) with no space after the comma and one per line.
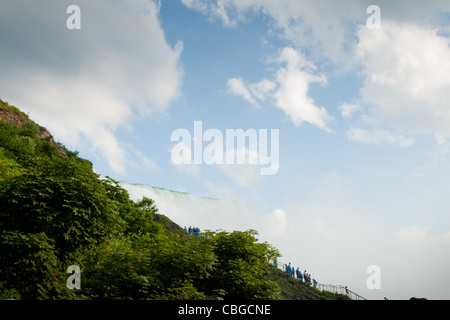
(56,212)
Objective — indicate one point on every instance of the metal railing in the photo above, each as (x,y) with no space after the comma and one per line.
(338,289)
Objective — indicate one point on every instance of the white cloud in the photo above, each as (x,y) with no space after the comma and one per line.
(243,174)
(405,90)
(275,224)
(379,137)
(405,64)
(325,230)
(140,160)
(322,26)
(289,91)
(86,84)
(221,9)
(261,89)
(406,70)
(292,94)
(237,86)
(253,91)
(222,192)
(436,157)
(415,237)
(347,110)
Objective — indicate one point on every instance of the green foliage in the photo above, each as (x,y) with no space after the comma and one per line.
(139,219)
(167,225)
(28,261)
(242,265)
(51,209)
(23,145)
(158,267)
(8,167)
(56,212)
(64,199)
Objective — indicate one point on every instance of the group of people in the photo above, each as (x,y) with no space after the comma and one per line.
(192,230)
(306,277)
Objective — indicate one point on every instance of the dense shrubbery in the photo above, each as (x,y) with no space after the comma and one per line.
(56,212)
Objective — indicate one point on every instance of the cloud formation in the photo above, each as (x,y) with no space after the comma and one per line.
(405,64)
(292,95)
(379,137)
(415,237)
(86,84)
(406,70)
(275,224)
(289,90)
(238,87)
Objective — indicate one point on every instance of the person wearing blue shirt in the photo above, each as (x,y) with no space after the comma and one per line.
(299,274)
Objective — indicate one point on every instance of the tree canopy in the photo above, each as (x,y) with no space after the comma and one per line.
(55,211)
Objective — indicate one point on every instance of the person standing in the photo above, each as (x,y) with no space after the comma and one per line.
(299,275)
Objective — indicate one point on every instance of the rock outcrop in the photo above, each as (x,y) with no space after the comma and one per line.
(18,118)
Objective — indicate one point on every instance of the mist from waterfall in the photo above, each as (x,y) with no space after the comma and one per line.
(189,210)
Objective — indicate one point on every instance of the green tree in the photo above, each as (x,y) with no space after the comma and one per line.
(65,200)
(242,265)
(149,267)
(140,218)
(48,215)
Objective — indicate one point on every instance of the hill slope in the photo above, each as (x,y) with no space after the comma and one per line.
(293,289)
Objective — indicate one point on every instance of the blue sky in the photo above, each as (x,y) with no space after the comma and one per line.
(363,116)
